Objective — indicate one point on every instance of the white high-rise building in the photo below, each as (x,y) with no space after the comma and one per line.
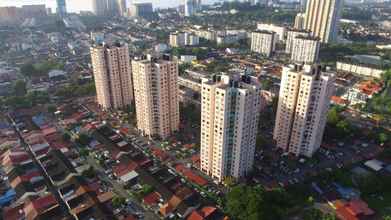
(279,30)
(303,104)
(192,7)
(156,96)
(305,49)
(229,121)
(322,19)
(263,42)
(291,35)
(112,75)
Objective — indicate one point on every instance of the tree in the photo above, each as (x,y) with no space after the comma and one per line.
(66,137)
(245,202)
(89,173)
(383,138)
(118,201)
(20,88)
(229,181)
(333,116)
(83,139)
(315,214)
(52,109)
(343,128)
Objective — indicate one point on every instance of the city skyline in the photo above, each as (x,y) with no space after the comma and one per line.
(76,5)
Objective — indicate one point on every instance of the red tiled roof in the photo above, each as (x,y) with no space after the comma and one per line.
(130,217)
(123,169)
(27,177)
(361,207)
(159,153)
(339,100)
(43,203)
(208,210)
(151,199)
(49,131)
(195,216)
(204,213)
(15,213)
(190,175)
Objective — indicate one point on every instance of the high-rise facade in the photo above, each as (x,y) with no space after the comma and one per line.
(109,7)
(99,7)
(322,19)
(112,74)
(291,35)
(279,30)
(230,108)
(303,104)
(143,10)
(61,8)
(122,7)
(156,96)
(305,49)
(300,21)
(263,42)
(191,7)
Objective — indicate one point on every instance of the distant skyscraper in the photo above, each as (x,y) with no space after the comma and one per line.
(156,96)
(191,7)
(322,19)
(112,74)
(99,7)
(303,104)
(144,10)
(229,122)
(61,8)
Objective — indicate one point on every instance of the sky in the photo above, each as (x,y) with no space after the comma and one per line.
(77,5)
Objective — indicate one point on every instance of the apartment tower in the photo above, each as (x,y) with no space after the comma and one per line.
(305,49)
(263,42)
(229,121)
(303,104)
(112,74)
(156,96)
(291,35)
(322,19)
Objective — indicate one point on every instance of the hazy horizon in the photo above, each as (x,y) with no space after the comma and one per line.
(80,5)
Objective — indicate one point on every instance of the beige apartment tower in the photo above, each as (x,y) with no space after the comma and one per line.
(230,110)
(322,19)
(303,104)
(156,96)
(113,75)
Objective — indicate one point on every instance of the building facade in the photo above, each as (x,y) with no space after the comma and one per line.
(143,10)
(156,96)
(61,8)
(279,30)
(291,35)
(303,104)
(305,49)
(263,42)
(112,74)
(322,19)
(177,39)
(229,121)
(300,21)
